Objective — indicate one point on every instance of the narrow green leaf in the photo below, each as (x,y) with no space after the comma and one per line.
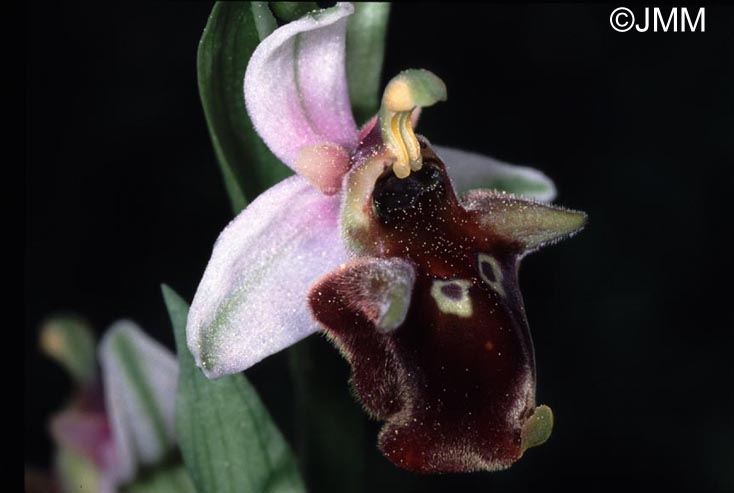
(366,31)
(233,31)
(228,441)
(264,21)
(290,11)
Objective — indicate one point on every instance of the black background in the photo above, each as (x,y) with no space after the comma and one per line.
(632,319)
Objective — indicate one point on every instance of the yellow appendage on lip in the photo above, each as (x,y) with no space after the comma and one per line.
(406,91)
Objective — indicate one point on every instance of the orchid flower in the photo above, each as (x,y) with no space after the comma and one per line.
(122,420)
(379,242)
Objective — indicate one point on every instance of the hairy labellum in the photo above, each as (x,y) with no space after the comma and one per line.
(430,315)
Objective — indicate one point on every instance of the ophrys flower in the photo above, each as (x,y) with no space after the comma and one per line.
(370,242)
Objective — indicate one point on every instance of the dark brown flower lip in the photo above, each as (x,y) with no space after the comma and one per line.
(455,382)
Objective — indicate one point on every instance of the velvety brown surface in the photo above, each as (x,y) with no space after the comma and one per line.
(454,390)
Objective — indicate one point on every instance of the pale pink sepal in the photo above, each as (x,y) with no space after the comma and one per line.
(251,301)
(296,85)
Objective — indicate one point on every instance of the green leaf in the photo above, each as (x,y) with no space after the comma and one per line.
(233,31)
(228,441)
(366,30)
(290,11)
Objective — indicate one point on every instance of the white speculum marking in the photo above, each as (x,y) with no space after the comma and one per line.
(490,272)
(452,296)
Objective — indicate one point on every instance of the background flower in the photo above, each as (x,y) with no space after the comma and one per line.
(117,433)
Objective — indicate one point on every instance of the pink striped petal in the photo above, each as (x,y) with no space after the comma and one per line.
(251,302)
(296,86)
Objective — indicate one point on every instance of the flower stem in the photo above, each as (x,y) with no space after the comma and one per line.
(330,426)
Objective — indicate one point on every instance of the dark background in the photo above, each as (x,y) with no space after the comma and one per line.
(632,319)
